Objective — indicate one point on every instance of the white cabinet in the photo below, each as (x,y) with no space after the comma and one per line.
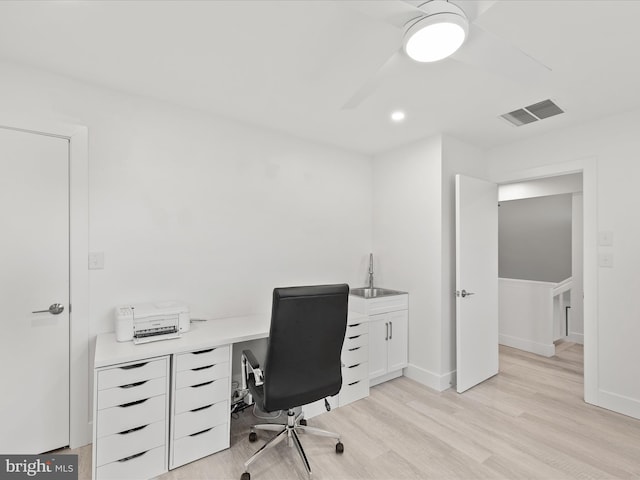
(130,434)
(388,334)
(200,386)
(355,360)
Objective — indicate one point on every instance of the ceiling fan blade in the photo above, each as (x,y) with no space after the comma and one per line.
(372,84)
(497,56)
(473,9)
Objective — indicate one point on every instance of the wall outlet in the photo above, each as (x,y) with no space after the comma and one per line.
(605,239)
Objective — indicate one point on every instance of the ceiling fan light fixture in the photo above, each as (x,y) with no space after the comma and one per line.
(438,34)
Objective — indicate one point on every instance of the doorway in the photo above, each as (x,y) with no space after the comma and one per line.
(79,428)
(587,167)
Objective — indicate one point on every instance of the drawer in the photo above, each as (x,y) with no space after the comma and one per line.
(350,392)
(145,464)
(190,398)
(198,375)
(355,355)
(197,420)
(356,329)
(202,358)
(353,373)
(356,341)
(128,374)
(132,392)
(143,412)
(122,445)
(200,444)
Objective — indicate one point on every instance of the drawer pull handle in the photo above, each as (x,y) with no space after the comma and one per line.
(200,433)
(131,430)
(126,459)
(354,349)
(354,325)
(202,384)
(201,368)
(131,385)
(354,366)
(131,404)
(201,408)
(203,351)
(353,383)
(137,365)
(356,336)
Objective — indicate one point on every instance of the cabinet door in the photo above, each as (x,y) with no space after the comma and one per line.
(378,339)
(397,352)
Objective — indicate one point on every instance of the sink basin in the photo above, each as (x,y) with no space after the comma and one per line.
(374,292)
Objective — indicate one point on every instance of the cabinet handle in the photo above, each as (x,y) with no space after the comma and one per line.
(354,366)
(202,384)
(354,349)
(354,325)
(201,368)
(353,383)
(204,351)
(200,433)
(131,385)
(201,408)
(131,430)
(390,330)
(126,459)
(137,402)
(137,365)
(386,324)
(355,336)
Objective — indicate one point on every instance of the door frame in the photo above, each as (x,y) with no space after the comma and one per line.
(77,135)
(588,167)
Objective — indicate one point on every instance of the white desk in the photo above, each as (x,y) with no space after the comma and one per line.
(162,404)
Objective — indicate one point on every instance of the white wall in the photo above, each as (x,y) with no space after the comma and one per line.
(616,144)
(414,241)
(186,205)
(407,241)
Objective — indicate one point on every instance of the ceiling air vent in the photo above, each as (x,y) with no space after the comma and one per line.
(532,113)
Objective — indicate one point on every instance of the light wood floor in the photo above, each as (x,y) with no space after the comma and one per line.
(528,422)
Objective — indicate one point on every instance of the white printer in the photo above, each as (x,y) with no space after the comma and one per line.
(148,322)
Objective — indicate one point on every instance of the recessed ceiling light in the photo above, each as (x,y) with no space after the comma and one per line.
(438,34)
(397,116)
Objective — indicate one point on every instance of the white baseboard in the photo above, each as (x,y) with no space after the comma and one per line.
(619,403)
(430,379)
(576,337)
(385,378)
(528,345)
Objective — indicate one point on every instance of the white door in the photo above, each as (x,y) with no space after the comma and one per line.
(378,337)
(34,275)
(476,281)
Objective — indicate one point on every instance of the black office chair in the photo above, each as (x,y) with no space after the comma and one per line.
(303,363)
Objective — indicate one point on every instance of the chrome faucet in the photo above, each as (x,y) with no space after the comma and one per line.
(371,270)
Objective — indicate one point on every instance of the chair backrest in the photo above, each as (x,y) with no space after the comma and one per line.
(303,362)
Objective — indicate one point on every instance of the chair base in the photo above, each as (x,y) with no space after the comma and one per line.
(288,431)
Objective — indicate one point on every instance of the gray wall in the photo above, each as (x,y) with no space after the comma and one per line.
(535,238)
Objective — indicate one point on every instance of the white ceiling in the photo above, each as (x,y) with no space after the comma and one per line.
(292,65)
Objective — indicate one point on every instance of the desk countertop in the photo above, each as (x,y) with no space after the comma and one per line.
(210,333)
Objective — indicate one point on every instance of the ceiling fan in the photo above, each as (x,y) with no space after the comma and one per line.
(450,27)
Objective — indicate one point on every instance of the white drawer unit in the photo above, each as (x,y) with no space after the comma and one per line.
(200,387)
(131,403)
(355,360)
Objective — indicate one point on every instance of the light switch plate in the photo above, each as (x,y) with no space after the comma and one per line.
(605,239)
(605,260)
(96,260)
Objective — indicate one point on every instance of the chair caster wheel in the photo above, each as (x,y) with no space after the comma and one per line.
(245,476)
(253,436)
(303,422)
(339,447)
